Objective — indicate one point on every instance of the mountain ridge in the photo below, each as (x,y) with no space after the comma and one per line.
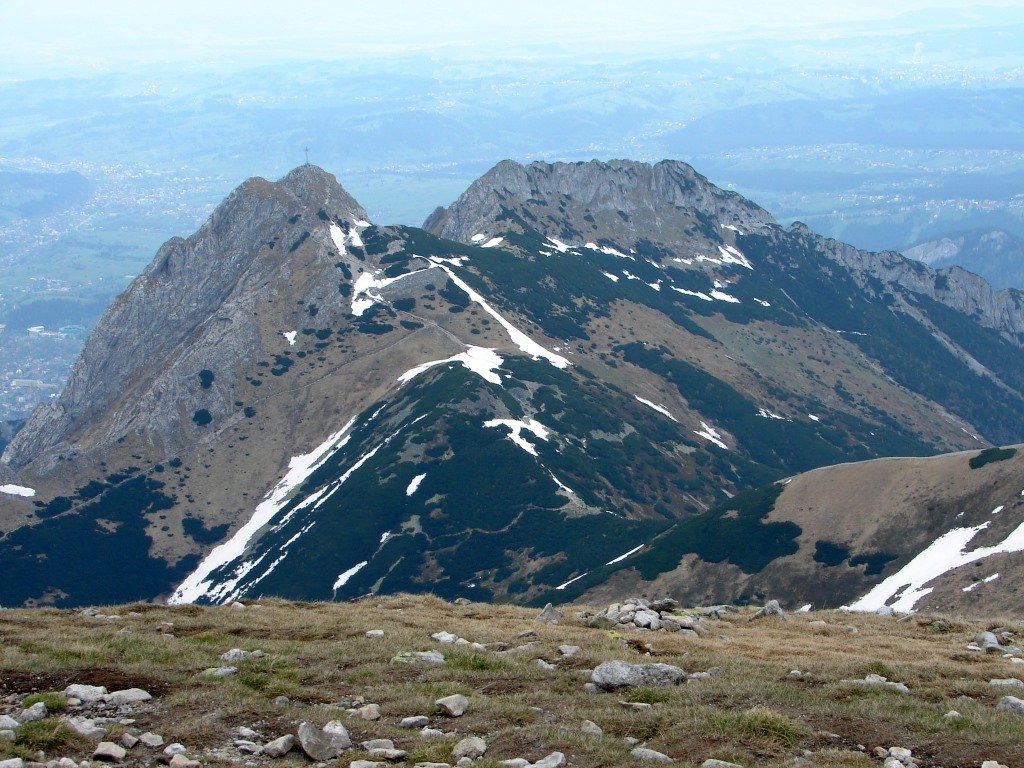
(589,365)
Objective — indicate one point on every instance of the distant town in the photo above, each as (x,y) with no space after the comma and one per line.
(34,366)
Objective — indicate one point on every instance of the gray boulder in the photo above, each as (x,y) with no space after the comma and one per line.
(619,674)
(86,693)
(326,744)
(453,706)
(591,728)
(127,696)
(36,712)
(719,764)
(550,615)
(772,609)
(279,747)
(83,726)
(1011,704)
(471,747)
(554,760)
(109,752)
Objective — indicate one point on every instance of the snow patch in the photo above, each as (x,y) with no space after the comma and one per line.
(562,485)
(731,255)
(977,584)
(712,434)
(344,576)
(610,276)
(762,302)
(198,583)
(804,608)
(517,427)
(558,245)
(997,510)
(943,555)
(764,413)
(716,294)
(570,581)
(414,485)
(478,238)
(622,557)
(735,229)
(482,361)
(659,408)
(18,490)
(699,295)
(608,250)
(494,241)
(520,339)
(290,337)
(812,417)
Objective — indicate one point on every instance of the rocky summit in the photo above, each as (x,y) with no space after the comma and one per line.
(577,380)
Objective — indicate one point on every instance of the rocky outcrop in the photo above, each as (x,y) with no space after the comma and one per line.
(635,194)
(190,310)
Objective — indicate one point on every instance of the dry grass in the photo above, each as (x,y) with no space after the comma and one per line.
(755,713)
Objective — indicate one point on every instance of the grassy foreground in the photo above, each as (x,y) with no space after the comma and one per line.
(755,713)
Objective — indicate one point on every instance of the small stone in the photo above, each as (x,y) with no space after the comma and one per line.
(432,765)
(128,740)
(368,712)
(638,706)
(423,657)
(86,693)
(1011,704)
(547,666)
(445,638)
(365,764)
(279,747)
(8,734)
(173,749)
(8,723)
(992,764)
(181,761)
(377,744)
(885,610)
(892,762)
(326,744)
(550,615)
(375,634)
(127,696)
(554,760)
(629,741)
(431,733)
(719,764)
(247,733)
(591,728)
(527,633)
(471,747)
(219,672)
(464,762)
(14,762)
(880,752)
(1007,681)
(37,711)
(952,715)
(247,747)
(590,688)
(517,762)
(568,650)
(109,752)
(453,706)
(151,740)
(649,755)
(282,701)
(414,721)
(988,642)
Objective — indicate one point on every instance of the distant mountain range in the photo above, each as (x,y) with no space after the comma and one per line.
(995,254)
(575,378)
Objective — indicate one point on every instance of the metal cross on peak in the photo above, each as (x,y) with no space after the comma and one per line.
(307,155)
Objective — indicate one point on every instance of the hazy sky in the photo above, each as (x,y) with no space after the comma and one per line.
(67,36)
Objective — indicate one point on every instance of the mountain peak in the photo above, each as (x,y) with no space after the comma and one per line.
(628,191)
(313,186)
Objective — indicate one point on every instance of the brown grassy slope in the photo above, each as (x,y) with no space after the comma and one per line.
(754,713)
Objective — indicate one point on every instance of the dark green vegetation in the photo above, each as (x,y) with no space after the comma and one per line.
(97,549)
(990,455)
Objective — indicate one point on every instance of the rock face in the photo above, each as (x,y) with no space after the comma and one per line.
(200,292)
(645,193)
(619,674)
